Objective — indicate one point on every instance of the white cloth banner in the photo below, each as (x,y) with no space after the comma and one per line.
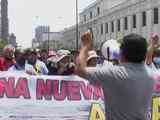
(24,97)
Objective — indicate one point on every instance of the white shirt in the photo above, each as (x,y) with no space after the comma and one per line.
(39,69)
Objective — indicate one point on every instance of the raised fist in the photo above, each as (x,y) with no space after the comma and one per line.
(86,39)
(154,41)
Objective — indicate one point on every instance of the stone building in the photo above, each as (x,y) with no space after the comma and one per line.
(4,31)
(114,19)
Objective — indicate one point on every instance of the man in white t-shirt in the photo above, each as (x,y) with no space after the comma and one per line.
(34,66)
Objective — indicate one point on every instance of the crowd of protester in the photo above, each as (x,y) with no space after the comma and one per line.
(63,62)
(121,69)
(43,62)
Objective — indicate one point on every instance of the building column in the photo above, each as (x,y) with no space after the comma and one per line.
(130,24)
(115,29)
(149,18)
(139,22)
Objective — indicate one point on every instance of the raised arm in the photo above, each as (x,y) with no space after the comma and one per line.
(82,59)
(154,44)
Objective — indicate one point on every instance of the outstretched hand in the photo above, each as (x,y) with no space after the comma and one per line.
(153,44)
(81,63)
(86,40)
(154,40)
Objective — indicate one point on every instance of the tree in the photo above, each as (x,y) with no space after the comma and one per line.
(2,45)
(120,36)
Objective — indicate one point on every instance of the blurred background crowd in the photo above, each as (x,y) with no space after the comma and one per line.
(63,62)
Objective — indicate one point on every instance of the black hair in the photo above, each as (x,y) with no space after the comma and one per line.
(157,53)
(134,48)
(18,51)
(44,50)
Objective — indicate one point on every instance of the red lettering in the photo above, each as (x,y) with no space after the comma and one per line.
(87,90)
(156,83)
(43,89)
(59,90)
(98,93)
(22,88)
(74,90)
(7,87)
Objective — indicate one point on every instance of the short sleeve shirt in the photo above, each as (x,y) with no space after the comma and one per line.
(127,89)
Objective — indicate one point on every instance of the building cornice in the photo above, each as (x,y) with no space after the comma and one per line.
(114,9)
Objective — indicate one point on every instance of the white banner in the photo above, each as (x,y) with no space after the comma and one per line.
(24,97)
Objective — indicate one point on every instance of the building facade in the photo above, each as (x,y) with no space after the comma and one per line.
(113,20)
(4,20)
(12,40)
(46,39)
(35,43)
(69,38)
(52,39)
(39,32)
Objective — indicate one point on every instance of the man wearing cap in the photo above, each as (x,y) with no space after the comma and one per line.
(92,59)
(7,60)
(128,87)
(63,64)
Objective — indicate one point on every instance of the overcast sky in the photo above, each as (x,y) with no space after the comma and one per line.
(25,15)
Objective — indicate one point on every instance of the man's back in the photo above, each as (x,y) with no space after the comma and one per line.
(127,89)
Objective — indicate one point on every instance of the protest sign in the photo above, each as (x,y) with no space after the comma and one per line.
(49,97)
(26,97)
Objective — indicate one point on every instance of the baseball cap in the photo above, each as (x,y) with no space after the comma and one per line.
(62,54)
(9,47)
(92,54)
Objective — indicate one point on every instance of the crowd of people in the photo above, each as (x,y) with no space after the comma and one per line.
(121,69)
(44,62)
(63,62)
(36,62)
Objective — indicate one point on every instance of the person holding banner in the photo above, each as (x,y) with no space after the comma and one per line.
(128,87)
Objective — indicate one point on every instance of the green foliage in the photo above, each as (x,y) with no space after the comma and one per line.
(2,44)
(120,37)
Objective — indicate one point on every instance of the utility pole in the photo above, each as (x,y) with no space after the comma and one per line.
(48,37)
(77,30)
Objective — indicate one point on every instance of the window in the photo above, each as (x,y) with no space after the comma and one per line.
(106,27)
(101,28)
(112,26)
(98,10)
(84,18)
(125,23)
(90,15)
(134,21)
(143,18)
(156,17)
(118,25)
